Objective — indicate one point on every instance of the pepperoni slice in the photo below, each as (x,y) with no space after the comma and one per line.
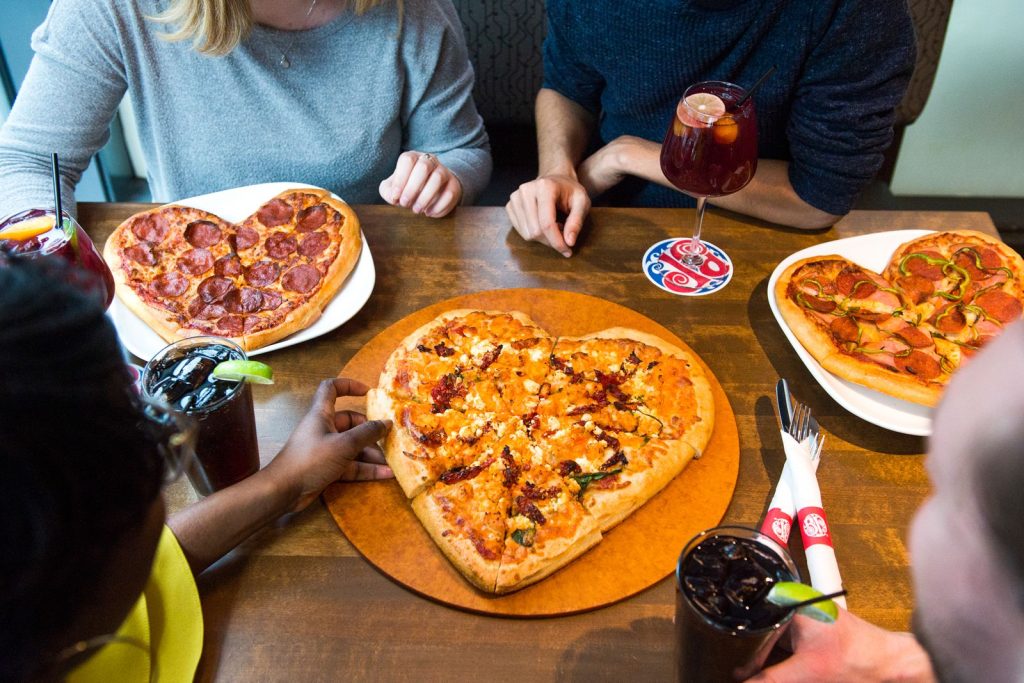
(280,245)
(151,228)
(314,244)
(271,300)
(245,238)
(914,337)
(214,288)
(855,283)
(950,319)
(844,329)
(201,310)
(227,266)
(171,284)
(918,364)
(202,234)
(275,212)
(302,278)
(231,324)
(251,322)
(870,316)
(916,265)
(819,305)
(244,300)
(1000,305)
(916,288)
(141,253)
(262,273)
(312,218)
(195,261)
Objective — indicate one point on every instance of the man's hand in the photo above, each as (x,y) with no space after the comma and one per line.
(851,650)
(625,155)
(533,208)
(329,445)
(422,183)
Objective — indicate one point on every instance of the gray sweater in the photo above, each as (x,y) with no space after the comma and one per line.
(360,90)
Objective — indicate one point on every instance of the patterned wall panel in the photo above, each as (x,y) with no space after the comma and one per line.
(504,40)
(930,20)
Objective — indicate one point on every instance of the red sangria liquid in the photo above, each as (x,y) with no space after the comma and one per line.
(226,448)
(710,148)
(35,234)
(724,626)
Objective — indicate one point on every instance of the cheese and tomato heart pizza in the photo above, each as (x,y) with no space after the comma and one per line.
(518,449)
(187,272)
(905,331)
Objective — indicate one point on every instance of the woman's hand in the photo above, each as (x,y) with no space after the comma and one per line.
(329,445)
(422,183)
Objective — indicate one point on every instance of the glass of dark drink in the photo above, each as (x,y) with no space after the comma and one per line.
(724,626)
(226,447)
(710,149)
(35,234)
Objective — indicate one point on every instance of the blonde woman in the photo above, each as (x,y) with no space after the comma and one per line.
(368,98)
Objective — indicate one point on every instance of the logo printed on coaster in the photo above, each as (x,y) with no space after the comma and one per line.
(664,266)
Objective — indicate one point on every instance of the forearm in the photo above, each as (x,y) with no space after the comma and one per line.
(769,196)
(207,530)
(563,131)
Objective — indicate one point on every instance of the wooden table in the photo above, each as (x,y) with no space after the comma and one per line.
(297,602)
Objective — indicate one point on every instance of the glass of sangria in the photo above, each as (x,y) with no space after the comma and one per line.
(35,234)
(710,149)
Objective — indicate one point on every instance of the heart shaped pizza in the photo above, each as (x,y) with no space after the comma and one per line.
(904,331)
(187,272)
(518,449)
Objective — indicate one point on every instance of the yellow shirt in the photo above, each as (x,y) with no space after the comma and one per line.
(166,623)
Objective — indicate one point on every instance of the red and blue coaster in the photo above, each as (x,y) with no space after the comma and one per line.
(664,266)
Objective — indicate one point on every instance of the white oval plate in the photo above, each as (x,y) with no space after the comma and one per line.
(870,251)
(235,205)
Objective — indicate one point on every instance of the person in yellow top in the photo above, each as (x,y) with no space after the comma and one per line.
(95,582)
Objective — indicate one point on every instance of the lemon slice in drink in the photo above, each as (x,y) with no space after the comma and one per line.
(248,370)
(791,593)
(27,229)
(700,110)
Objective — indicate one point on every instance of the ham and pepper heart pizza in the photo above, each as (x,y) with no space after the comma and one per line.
(187,272)
(518,449)
(905,331)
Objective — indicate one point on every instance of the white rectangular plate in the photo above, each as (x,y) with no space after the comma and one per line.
(235,205)
(888,412)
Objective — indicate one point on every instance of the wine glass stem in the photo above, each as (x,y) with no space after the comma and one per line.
(696,250)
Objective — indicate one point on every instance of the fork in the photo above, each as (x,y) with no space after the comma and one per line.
(804,426)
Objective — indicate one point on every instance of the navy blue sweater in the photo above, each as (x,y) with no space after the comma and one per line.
(842,66)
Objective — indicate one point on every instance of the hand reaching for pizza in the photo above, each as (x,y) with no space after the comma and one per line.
(422,183)
(328,445)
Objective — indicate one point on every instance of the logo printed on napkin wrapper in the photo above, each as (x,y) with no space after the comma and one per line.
(777,524)
(664,267)
(814,527)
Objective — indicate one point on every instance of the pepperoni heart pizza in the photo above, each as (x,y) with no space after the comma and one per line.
(186,272)
(906,331)
(518,449)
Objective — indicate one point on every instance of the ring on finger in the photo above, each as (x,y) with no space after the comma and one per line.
(429,158)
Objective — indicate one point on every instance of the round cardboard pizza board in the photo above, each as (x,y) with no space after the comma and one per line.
(642,550)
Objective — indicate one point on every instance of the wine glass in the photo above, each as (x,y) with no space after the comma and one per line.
(34,234)
(710,149)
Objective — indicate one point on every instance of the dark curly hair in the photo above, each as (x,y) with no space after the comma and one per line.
(76,472)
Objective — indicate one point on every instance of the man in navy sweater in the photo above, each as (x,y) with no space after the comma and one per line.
(614,72)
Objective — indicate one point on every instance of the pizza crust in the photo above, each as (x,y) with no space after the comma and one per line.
(481,572)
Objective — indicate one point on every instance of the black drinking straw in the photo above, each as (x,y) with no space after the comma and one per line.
(821,598)
(59,215)
(756,85)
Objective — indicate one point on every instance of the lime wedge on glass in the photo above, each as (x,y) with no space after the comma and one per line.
(791,593)
(249,370)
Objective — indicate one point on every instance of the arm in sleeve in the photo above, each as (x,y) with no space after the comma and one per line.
(439,115)
(844,106)
(565,71)
(68,98)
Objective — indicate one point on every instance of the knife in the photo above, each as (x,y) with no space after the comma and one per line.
(784,404)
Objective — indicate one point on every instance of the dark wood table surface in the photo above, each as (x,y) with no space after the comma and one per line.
(297,602)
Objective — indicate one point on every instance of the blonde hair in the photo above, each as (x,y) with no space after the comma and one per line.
(216,27)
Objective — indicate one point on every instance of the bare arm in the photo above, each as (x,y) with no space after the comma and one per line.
(769,196)
(563,129)
(325,446)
